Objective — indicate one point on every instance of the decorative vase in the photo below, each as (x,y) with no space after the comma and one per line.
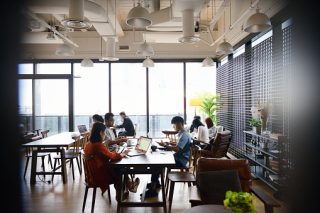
(257,129)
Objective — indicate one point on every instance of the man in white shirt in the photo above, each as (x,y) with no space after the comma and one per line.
(111,138)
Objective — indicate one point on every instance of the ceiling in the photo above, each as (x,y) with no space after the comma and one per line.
(218,19)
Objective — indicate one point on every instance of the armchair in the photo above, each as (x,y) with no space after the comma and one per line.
(200,197)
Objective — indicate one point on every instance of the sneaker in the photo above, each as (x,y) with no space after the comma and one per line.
(151,193)
(134,185)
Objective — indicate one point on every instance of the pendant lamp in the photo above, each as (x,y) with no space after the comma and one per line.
(258,22)
(148,62)
(138,17)
(87,62)
(65,50)
(224,48)
(207,62)
(145,49)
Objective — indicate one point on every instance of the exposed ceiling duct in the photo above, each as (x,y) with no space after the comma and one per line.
(76,18)
(188,27)
(111,50)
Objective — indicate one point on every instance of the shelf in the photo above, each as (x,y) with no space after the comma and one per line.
(273,137)
(259,174)
(263,150)
(260,162)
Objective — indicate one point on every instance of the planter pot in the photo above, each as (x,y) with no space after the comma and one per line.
(257,129)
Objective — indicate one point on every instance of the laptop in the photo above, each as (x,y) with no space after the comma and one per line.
(82,129)
(142,146)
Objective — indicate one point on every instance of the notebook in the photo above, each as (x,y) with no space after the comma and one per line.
(142,146)
(82,129)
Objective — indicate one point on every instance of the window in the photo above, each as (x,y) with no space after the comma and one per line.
(25,69)
(128,92)
(166,96)
(54,68)
(200,80)
(261,39)
(91,92)
(25,103)
(239,51)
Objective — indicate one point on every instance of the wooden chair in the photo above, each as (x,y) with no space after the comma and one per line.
(90,181)
(70,155)
(242,168)
(28,153)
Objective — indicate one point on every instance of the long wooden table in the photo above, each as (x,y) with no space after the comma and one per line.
(55,144)
(145,164)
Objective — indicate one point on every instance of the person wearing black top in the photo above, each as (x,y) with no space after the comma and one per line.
(127,125)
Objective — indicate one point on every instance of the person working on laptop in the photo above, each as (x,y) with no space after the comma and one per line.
(111,138)
(104,173)
(181,155)
(127,125)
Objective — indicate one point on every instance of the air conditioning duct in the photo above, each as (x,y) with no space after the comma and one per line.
(188,27)
(76,17)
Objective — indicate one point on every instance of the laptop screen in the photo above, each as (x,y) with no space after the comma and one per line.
(82,128)
(144,143)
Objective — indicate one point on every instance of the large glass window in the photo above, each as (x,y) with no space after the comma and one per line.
(91,92)
(128,92)
(199,81)
(165,96)
(56,68)
(25,69)
(25,103)
(51,105)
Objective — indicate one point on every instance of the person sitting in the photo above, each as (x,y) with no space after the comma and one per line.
(127,125)
(202,134)
(181,155)
(105,174)
(111,136)
(96,118)
(192,127)
(212,130)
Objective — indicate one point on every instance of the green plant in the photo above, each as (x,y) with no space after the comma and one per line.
(209,104)
(239,202)
(255,122)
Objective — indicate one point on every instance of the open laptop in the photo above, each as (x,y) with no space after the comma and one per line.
(142,146)
(82,129)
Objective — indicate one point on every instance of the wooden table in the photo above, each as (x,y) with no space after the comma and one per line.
(207,209)
(145,164)
(56,144)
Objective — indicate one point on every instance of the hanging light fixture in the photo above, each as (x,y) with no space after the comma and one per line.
(138,17)
(258,22)
(207,62)
(65,50)
(148,62)
(224,48)
(76,18)
(87,62)
(145,49)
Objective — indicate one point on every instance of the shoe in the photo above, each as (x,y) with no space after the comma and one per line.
(154,185)
(151,193)
(134,185)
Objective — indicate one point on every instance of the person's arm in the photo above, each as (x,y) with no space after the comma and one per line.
(111,155)
(124,123)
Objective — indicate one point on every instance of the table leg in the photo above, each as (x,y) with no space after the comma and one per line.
(63,166)
(33,166)
(163,191)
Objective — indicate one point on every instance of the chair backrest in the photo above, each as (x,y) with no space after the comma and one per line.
(88,166)
(84,140)
(45,133)
(76,145)
(221,144)
(241,165)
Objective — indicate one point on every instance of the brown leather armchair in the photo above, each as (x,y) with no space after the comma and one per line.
(198,197)
(218,146)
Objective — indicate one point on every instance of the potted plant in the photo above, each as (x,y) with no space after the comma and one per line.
(256,125)
(209,104)
(239,202)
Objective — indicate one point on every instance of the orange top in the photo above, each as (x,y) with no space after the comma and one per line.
(104,175)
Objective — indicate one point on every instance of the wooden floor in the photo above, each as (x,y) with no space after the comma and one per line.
(68,198)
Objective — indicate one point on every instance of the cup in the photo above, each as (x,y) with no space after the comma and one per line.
(154,148)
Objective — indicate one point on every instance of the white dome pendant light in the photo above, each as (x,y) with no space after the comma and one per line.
(224,48)
(138,17)
(258,22)
(87,62)
(148,62)
(76,18)
(207,62)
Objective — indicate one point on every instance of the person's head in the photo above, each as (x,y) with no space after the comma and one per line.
(177,122)
(97,134)
(108,119)
(98,118)
(122,114)
(209,122)
(196,123)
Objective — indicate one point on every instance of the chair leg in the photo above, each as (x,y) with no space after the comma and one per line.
(109,194)
(50,161)
(79,167)
(72,167)
(26,167)
(167,180)
(93,199)
(43,166)
(54,168)
(85,198)
(171,194)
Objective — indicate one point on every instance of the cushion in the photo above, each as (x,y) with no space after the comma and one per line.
(214,184)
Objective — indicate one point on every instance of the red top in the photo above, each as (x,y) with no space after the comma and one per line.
(104,175)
